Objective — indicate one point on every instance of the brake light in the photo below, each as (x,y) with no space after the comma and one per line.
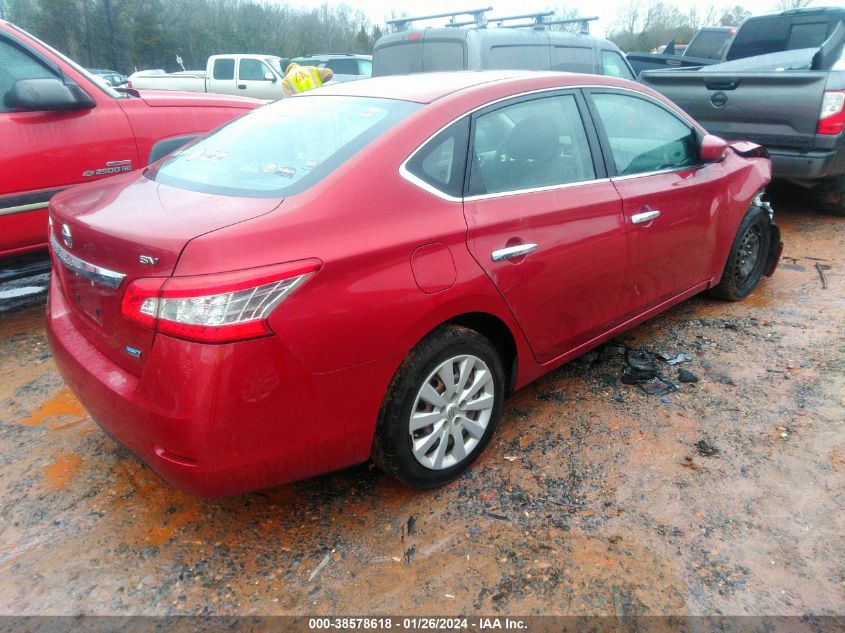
(832,113)
(215,308)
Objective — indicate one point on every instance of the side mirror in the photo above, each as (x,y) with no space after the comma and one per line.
(713,149)
(48,94)
(270,76)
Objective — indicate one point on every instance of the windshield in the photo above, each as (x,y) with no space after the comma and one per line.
(281,148)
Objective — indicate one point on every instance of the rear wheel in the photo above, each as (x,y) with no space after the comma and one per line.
(441,409)
(747,258)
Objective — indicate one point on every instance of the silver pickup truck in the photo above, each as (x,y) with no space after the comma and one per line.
(782,86)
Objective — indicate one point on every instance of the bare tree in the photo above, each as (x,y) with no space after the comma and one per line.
(786,5)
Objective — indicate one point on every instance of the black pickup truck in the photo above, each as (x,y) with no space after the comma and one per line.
(782,86)
(707,47)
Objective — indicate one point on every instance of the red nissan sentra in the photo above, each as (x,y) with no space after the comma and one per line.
(366,270)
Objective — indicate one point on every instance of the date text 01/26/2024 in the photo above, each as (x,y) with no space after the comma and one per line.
(416,623)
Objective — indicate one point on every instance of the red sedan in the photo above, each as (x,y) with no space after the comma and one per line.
(366,270)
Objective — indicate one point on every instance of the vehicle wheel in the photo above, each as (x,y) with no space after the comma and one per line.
(747,258)
(441,408)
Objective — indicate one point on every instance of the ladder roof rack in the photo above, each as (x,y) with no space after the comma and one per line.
(478,16)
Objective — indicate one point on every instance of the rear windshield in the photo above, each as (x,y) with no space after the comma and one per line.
(780,33)
(282,148)
(707,44)
(415,56)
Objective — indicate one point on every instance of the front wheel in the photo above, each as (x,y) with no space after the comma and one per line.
(748,256)
(441,408)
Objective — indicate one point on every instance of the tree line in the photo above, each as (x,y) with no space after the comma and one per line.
(126,35)
(643,25)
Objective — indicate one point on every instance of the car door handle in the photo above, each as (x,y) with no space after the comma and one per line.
(242,86)
(646,216)
(513,251)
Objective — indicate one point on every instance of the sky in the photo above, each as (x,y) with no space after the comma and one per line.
(606,10)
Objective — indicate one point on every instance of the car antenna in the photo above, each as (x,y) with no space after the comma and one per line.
(478,18)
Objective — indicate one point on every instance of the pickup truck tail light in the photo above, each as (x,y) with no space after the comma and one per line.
(832,114)
(216,308)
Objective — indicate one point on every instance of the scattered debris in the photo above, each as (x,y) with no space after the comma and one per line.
(498,517)
(511,458)
(680,358)
(685,375)
(641,367)
(821,268)
(412,522)
(319,568)
(706,449)
(658,386)
(615,539)
(409,554)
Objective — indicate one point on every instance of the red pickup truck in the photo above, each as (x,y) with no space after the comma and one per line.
(59,127)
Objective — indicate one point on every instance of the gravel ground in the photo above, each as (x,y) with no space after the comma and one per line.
(725,497)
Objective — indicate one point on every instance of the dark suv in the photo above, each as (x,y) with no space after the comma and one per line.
(479,48)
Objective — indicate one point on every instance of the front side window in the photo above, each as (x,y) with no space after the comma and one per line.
(530,144)
(644,136)
(282,148)
(224,68)
(15,64)
(252,70)
(613,65)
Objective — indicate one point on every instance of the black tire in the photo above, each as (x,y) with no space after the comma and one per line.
(748,256)
(393,444)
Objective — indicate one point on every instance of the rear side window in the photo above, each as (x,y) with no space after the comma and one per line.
(342,66)
(643,136)
(14,65)
(519,57)
(613,65)
(528,145)
(572,59)
(441,162)
(277,150)
(224,68)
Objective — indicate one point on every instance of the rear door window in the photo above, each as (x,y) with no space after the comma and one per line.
(224,68)
(530,144)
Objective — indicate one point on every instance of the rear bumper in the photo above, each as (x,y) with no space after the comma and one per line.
(217,420)
(793,165)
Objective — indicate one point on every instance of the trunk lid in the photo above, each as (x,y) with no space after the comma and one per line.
(105,235)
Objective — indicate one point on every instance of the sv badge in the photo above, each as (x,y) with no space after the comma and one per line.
(148,261)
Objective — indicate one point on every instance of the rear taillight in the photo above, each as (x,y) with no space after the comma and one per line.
(832,113)
(214,308)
